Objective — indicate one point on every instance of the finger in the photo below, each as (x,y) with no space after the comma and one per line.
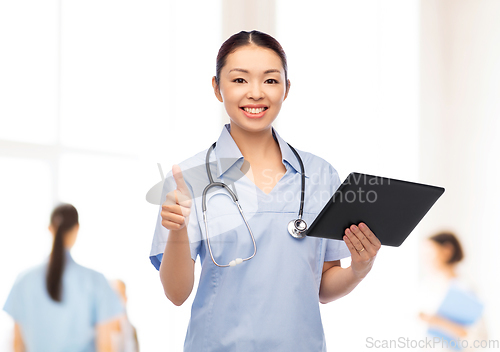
(169,225)
(181,199)
(176,209)
(354,240)
(177,198)
(176,218)
(370,235)
(362,238)
(350,246)
(173,208)
(171,198)
(179,180)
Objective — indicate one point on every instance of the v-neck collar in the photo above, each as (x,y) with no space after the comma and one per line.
(228,153)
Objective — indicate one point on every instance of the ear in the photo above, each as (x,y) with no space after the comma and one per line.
(216,89)
(287,90)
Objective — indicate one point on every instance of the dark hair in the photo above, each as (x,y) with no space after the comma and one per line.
(247,38)
(444,238)
(64,217)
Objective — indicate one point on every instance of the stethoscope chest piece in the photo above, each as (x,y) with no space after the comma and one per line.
(297,228)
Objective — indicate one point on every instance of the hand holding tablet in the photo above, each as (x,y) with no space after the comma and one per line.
(364,246)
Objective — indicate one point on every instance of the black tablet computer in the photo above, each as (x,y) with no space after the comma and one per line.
(391,208)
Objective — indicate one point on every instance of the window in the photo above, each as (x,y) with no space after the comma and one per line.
(92,93)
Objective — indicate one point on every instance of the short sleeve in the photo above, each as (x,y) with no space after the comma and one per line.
(107,302)
(161,233)
(14,304)
(335,249)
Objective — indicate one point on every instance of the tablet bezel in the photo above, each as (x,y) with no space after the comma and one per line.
(424,195)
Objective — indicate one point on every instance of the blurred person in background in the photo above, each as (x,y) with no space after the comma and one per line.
(452,312)
(124,333)
(61,306)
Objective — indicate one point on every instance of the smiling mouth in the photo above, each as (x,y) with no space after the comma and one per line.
(254,110)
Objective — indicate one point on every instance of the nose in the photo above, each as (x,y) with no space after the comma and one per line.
(255,91)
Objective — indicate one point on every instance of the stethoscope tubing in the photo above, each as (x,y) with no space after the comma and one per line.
(235,200)
(303,181)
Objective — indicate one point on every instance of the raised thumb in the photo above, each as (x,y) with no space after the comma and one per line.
(179,180)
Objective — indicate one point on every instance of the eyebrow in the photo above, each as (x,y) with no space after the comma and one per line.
(245,71)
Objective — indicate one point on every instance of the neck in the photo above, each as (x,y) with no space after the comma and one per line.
(449,271)
(255,145)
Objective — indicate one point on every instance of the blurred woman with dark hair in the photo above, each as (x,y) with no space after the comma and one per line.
(61,305)
(458,319)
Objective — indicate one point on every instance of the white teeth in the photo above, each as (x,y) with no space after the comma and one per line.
(253,110)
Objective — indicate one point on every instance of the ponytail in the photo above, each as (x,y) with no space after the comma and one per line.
(63,219)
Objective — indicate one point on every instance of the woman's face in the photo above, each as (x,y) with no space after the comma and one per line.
(435,254)
(252,87)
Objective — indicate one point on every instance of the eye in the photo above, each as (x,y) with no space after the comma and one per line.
(272,81)
(239,80)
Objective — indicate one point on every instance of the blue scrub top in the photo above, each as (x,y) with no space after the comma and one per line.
(271,302)
(69,325)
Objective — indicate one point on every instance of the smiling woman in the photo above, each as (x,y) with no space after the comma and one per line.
(253,81)
(268,301)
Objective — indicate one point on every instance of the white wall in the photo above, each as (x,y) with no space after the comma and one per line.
(459,129)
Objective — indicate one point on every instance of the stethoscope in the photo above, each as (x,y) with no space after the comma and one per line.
(297,228)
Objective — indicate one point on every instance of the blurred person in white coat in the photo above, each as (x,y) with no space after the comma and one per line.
(124,333)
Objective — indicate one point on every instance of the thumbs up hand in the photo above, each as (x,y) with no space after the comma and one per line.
(177,206)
